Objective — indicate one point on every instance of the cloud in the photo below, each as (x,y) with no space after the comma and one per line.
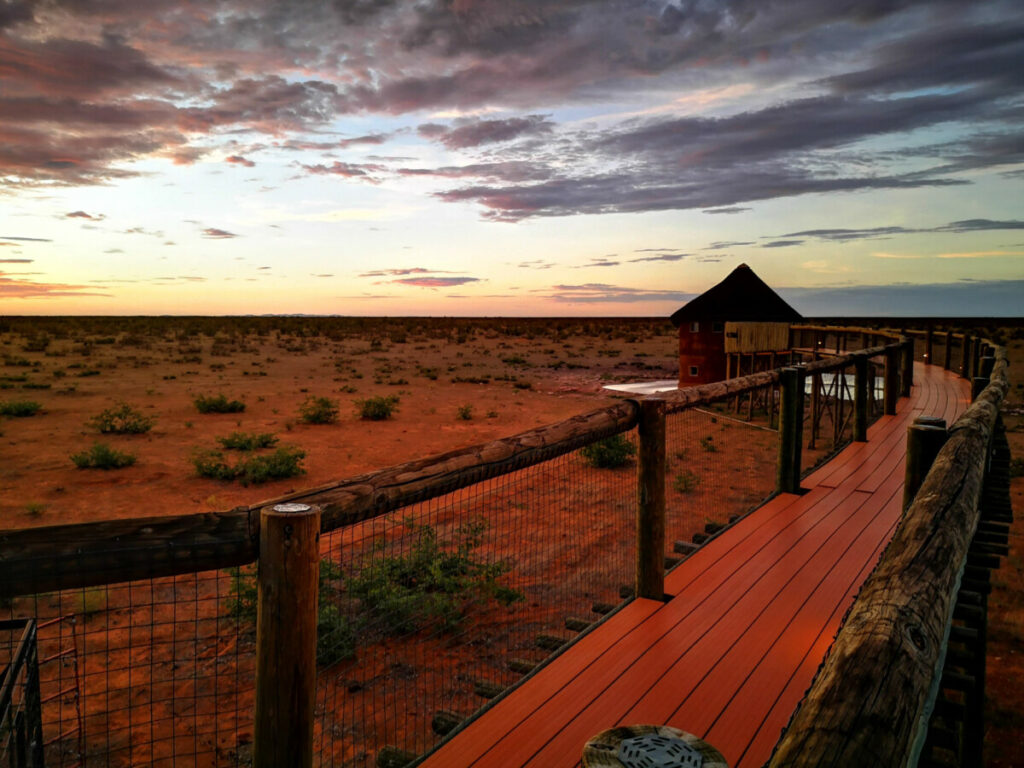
(662,257)
(871,233)
(721,245)
(509,171)
(15,261)
(15,288)
(213,233)
(473,132)
(782,243)
(347,170)
(239,160)
(84,215)
(143,231)
(401,271)
(599,261)
(593,293)
(978,254)
(93,89)
(435,282)
(536,264)
(26,239)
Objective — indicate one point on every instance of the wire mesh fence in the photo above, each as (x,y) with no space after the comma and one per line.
(720,463)
(430,611)
(153,672)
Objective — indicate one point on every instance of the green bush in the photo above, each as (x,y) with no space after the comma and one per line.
(246,441)
(377,408)
(708,444)
(465,412)
(20,408)
(122,420)
(614,451)
(102,456)
(218,404)
(335,634)
(251,470)
(430,586)
(685,481)
(319,410)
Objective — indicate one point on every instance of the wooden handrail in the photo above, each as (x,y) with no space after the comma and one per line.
(870,701)
(86,554)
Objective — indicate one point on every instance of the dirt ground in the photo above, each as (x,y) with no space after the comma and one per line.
(505,376)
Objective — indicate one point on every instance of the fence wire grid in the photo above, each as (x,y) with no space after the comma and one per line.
(153,672)
(429,612)
(704,492)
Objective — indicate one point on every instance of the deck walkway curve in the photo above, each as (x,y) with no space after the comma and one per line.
(751,615)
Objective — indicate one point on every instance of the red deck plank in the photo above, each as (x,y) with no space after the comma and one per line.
(480,735)
(702,633)
(753,612)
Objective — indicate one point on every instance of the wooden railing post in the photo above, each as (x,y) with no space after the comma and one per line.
(965,357)
(860,399)
(650,509)
(289,568)
(987,364)
(925,438)
(928,340)
(947,353)
(791,417)
(907,367)
(891,391)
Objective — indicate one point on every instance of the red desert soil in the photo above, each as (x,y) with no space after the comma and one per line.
(538,374)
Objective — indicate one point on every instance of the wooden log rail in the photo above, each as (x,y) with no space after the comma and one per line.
(871,700)
(72,556)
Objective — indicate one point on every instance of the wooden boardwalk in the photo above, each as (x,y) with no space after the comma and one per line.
(750,618)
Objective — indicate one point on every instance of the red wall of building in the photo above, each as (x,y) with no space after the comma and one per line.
(705,349)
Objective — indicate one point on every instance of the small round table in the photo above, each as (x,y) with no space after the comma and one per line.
(650,746)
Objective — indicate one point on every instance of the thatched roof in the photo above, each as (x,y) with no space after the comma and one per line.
(741,297)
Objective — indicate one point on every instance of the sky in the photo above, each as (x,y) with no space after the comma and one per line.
(509,157)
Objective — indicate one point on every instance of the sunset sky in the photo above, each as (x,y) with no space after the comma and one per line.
(509,157)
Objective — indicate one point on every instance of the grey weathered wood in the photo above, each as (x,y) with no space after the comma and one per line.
(650,510)
(286,635)
(869,701)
